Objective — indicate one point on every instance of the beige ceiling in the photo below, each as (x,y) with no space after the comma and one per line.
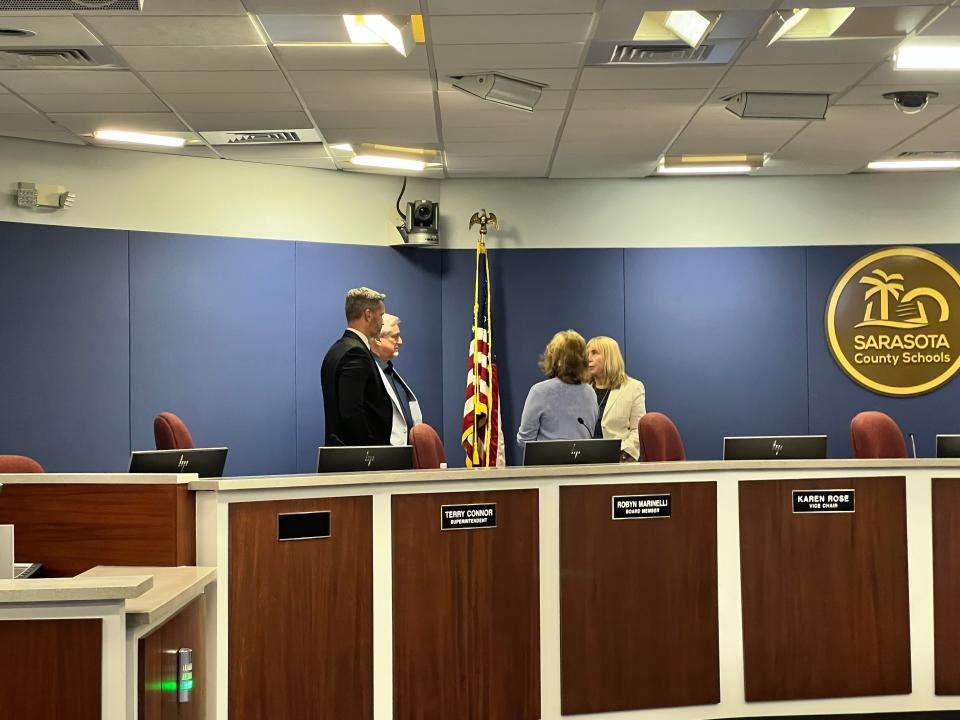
(199,65)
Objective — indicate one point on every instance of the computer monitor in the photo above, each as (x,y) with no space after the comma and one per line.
(948,446)
(569,452)
(343,459)
(205,462)
(775,447)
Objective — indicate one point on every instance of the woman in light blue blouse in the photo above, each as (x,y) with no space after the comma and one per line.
(564,406)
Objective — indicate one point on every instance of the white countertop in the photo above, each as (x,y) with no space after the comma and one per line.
(173,588)
(76,589)
(97,479)
(490,476)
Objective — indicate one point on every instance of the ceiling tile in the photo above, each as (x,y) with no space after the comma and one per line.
(12,104)
(886,75)
(333,7)
(499,118)
(498,166)
(277,151)
(367,119)
(422,136)
(192,57)
(97,102)
(454,100)
(189,7)
(27,82)
(601,166)
(361,57)
(943,135)
(134,122)
(544,134)
(169,30)
(553,79)
(796,78)
(202,122)
(715,130)
(212,82)
(640,78)
(232,102)
(380,105)
(51,133)
(542,145)
(947,24)
(635,99)
(334,82)
(786,4)
(51,30)
(24,121)
(317,163)
(506,7)
(647,130)
(870,50)
(466,29)
(496,57)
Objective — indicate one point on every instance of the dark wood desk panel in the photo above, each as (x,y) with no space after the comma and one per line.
(158,666)
(946,585)
(72,528)
(50,669)
(301,614)
(825,598)
(638,600)
(466,610)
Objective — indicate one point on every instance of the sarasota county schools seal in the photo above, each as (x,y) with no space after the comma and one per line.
(893,321)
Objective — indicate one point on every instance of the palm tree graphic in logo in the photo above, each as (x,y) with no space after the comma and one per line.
(910,310)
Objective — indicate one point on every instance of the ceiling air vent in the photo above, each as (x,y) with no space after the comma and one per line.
(647,54)
(930,154)
(84,6)
(261,137)
(21,58)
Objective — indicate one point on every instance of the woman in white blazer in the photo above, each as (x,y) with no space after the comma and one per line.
(621,398)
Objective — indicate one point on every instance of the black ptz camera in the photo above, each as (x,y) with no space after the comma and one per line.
(422,223)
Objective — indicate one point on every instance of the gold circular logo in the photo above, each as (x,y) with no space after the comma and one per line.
(893,321)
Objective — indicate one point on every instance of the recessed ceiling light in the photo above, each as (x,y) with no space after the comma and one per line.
(343,147)
(688,25)
(139,138)
(374,29)
(710,164)
(922,55)
(16,32)
(810,23)
(917,164)
(393,163)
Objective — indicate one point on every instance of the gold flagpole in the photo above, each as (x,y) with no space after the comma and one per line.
(483,219)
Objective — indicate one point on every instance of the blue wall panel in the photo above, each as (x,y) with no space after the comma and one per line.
(536,293)
(835,398)
(212,339)
(410,277)
(718,337)
(63,357)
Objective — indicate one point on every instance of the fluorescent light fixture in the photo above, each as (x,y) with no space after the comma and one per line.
(689,25)
(393,163)
(924,56)
(811,23)
(342,147)
(377,29)
(139,138)
(710,164)
(703,169)
(917,164)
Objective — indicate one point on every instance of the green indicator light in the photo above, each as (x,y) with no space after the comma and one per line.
(169,686)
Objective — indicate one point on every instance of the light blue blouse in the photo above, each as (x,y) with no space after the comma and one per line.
(552,409)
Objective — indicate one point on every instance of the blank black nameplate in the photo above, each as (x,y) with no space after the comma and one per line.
(824,501)
(641,507)
(303,525)
(468,517)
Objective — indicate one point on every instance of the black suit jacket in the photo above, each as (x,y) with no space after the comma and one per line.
(357,407)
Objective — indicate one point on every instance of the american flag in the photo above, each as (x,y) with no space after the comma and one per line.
(482,437)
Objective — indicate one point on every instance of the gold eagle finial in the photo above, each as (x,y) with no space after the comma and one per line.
(483,218)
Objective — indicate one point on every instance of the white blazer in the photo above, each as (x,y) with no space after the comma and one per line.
(621,416)
(398,431)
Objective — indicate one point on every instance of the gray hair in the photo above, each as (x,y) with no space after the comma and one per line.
(388,322)
(360,299)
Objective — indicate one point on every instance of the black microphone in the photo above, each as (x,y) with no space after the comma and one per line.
(580,420)
(913,443)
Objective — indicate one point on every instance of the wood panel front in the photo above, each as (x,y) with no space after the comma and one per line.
(825,596)
(72,528)
(50,669)
(946,585)
(466,610)
(158,666)
(301,613)
(638,600)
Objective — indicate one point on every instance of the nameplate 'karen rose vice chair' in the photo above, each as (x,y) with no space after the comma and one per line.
(876,435)
(659,439)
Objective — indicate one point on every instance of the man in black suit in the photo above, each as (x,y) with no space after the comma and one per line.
(357,407)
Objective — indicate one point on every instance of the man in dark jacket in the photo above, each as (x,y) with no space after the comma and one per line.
(356,405)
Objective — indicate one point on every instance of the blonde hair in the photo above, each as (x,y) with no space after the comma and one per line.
(565,357)
(614,370)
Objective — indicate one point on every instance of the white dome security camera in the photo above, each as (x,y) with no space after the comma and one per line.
(910,102)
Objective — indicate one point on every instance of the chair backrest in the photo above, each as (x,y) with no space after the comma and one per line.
(659,439)
(19,464)
(875,435)
(427,447)
(170,433)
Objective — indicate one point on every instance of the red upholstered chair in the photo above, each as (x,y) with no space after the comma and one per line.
(875,435)
(659,439)
(19,464)
(170,433)
(427,447)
